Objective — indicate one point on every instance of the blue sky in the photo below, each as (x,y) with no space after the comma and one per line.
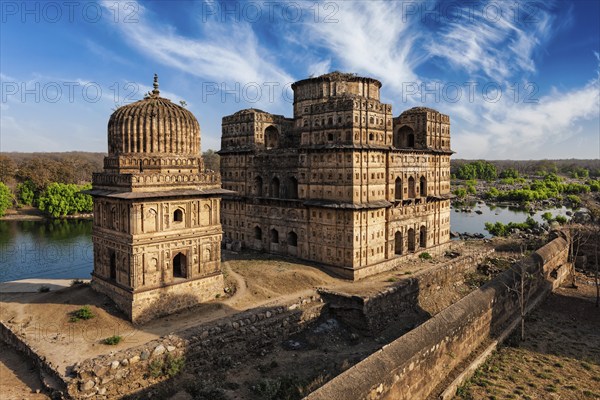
(519,79)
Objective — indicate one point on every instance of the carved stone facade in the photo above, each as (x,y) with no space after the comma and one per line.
(343,183)
(157,235)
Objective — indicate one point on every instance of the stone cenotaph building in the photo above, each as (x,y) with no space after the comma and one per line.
(342,183)
(156,230)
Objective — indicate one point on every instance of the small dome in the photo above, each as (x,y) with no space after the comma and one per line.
(153,125)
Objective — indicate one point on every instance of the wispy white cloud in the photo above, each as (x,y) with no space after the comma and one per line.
(221,53)
(493,38)
(370,37)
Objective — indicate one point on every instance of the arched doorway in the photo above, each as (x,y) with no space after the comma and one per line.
(179,265)
(411,240)
(411,188)
(404,137)
(292,239)
(275,187)
(274,236)
(423,186)
(257,233)
(398,189)
(292,185)
(423,236)
(398,243)
(271,137)
(258,186)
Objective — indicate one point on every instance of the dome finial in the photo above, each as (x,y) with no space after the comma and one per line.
(156,92)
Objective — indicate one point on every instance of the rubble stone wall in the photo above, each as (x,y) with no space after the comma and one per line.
(412,366)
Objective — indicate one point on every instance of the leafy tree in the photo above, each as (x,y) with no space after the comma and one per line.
(26,193)
(509,173)
(477,170)
(6,198)
(60,199)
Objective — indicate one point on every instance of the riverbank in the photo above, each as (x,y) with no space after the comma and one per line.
(29,213)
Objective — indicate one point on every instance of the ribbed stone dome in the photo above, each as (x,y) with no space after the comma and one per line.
(153,125)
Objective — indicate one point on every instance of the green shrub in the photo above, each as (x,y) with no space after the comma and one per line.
(173,365)
(561,219)
(155,368)
(112,340)
(425,256)
(6,198)
(83,313)
(44,289)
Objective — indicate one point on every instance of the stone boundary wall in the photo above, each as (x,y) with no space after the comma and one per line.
(412,366)
(399,303)
(241,335)
(45,367)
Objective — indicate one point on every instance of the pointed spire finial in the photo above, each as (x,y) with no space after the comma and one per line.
(156,92)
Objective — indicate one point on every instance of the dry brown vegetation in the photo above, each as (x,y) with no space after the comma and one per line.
(559,358)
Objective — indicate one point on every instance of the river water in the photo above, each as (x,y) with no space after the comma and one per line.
(63,248)
(45,249)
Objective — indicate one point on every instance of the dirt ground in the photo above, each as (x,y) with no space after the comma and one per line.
(559,359)
(19,379)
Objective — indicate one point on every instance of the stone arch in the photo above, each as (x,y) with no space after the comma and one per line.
(411,188)
(258,186)
(209,214)
(292,239)
(179,265)
(398,189)
(178,215)
(411,240)
(275,187)
(404,137)
(271,137)
(398,243)
(423,186)
(423,236)
(292,188)
(113,265)
(257,233)
(274,236)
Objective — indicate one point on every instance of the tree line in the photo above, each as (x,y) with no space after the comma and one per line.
(489,170)
(53,182)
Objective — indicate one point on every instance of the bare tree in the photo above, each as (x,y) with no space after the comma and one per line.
(596,278)
(522,285)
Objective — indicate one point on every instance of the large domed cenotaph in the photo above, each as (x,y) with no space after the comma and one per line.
(156,230)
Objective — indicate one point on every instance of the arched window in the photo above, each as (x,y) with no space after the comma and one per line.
(292,185)
(330,137)
(258,186)
(404,137)
(411,188)
(178,215)
(179,265)
(292,239)
(423,186)
(423,236)
(398,243)
(275,187)
(113,266)
(274,236)
(370,136)
(398,189)
(411,240)
(271,137)
(257,233)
